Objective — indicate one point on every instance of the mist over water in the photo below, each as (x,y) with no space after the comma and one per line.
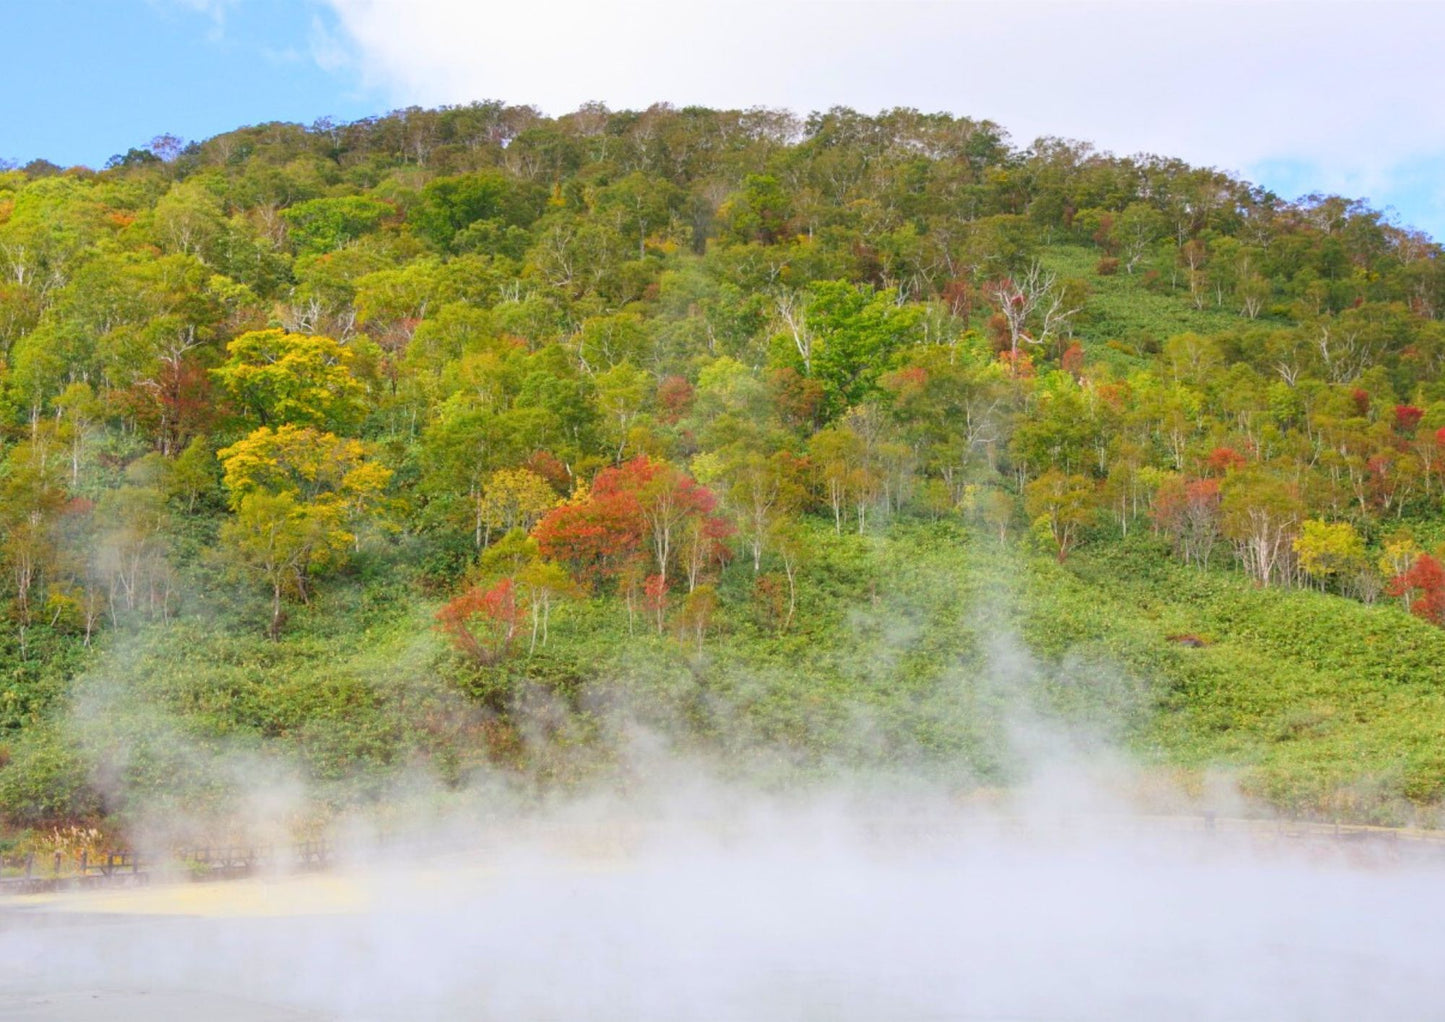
(746,908)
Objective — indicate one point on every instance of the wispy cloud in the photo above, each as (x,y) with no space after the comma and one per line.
(330,53)
(214,10)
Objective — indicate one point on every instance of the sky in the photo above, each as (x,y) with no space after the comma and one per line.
(1334,97)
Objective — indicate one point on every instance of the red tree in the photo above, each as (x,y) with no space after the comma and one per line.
(674,398)
(1407,417)
(1187,511)
(1424,581)
(482,623)
(175,403)
(1072,360)
(797,398)
(551,468)
(1222,459)
(639,504)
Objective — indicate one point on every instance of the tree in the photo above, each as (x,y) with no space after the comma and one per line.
(131,548)
(606,342)
(1261,514)
(704,543)
(193,473)
(1187,511)
(1033,306)
(1060,505)
(467,442)
(836,456)
(543,583)
(1400,554)
(32,495)
(641,505)
(450,205)
(314,465)
(303,379)
(1137,229)
(513,498)
(323,225)
(277,540)
(699,608)
(300,498)
(759,212)
(597,535)
(654,598)
(667,497)
(482,623)
(997,508)
(761,490)
(1329,550)
(622,394)
(1422,587)
(854,331)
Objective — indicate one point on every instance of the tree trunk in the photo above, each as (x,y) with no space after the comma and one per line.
(278,617)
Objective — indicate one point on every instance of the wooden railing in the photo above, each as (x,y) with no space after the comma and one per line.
(34,874)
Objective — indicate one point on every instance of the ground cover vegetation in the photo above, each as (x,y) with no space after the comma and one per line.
(437,440)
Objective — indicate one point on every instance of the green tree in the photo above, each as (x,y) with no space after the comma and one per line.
(855,332)
(1060,506)
(278,541)
(323,225)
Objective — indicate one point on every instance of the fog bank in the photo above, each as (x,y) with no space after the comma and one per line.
(814,908)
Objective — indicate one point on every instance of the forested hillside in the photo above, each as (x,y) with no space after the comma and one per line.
(355,444)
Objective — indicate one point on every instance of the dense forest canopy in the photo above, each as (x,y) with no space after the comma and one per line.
(650,359)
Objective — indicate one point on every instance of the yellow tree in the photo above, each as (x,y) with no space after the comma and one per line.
(513,498)
(281,377)
(1329,550)
(299,495)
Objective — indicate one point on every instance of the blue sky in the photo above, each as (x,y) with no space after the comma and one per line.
(90,78)
(1300,97)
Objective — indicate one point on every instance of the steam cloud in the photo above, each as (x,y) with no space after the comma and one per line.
(749,909)
(735,882)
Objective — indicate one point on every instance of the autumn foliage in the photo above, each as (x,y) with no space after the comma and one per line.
(483,623)
(1423,584)
(640,509)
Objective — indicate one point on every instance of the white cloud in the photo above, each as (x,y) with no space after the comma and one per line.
(1345,85)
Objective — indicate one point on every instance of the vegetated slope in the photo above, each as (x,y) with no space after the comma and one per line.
(445,440)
